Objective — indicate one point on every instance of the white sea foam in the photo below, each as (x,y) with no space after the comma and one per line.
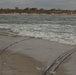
(44,31)
(6,26)
(54,28)
(41,32)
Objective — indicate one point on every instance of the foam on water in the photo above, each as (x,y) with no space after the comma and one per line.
(54,28)
(52,32)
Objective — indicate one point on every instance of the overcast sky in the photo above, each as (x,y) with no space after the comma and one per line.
(47,4)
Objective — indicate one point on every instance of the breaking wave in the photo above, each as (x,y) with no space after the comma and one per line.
(54,32)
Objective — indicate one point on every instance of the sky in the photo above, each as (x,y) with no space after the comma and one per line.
(46,4)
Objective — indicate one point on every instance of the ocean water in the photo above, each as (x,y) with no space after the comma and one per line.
(59,28)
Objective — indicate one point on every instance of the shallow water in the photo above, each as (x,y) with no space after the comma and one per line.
(60,28)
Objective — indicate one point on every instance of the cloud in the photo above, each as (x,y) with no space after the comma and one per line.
(47,4)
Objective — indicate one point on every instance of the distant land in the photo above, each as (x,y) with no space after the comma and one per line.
(36,11)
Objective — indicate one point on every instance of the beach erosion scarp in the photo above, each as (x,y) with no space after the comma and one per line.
(26,55)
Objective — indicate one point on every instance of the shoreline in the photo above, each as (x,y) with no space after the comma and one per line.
(35,14)
(39,54)
(15,35)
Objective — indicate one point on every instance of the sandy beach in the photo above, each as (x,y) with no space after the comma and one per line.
(18,64)
(28,56)
(14,63)
(68,67)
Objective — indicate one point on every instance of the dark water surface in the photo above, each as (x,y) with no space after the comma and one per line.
(60,28)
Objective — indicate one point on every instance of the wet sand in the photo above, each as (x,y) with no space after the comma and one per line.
(18,64)
(68,66)
(28,56)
